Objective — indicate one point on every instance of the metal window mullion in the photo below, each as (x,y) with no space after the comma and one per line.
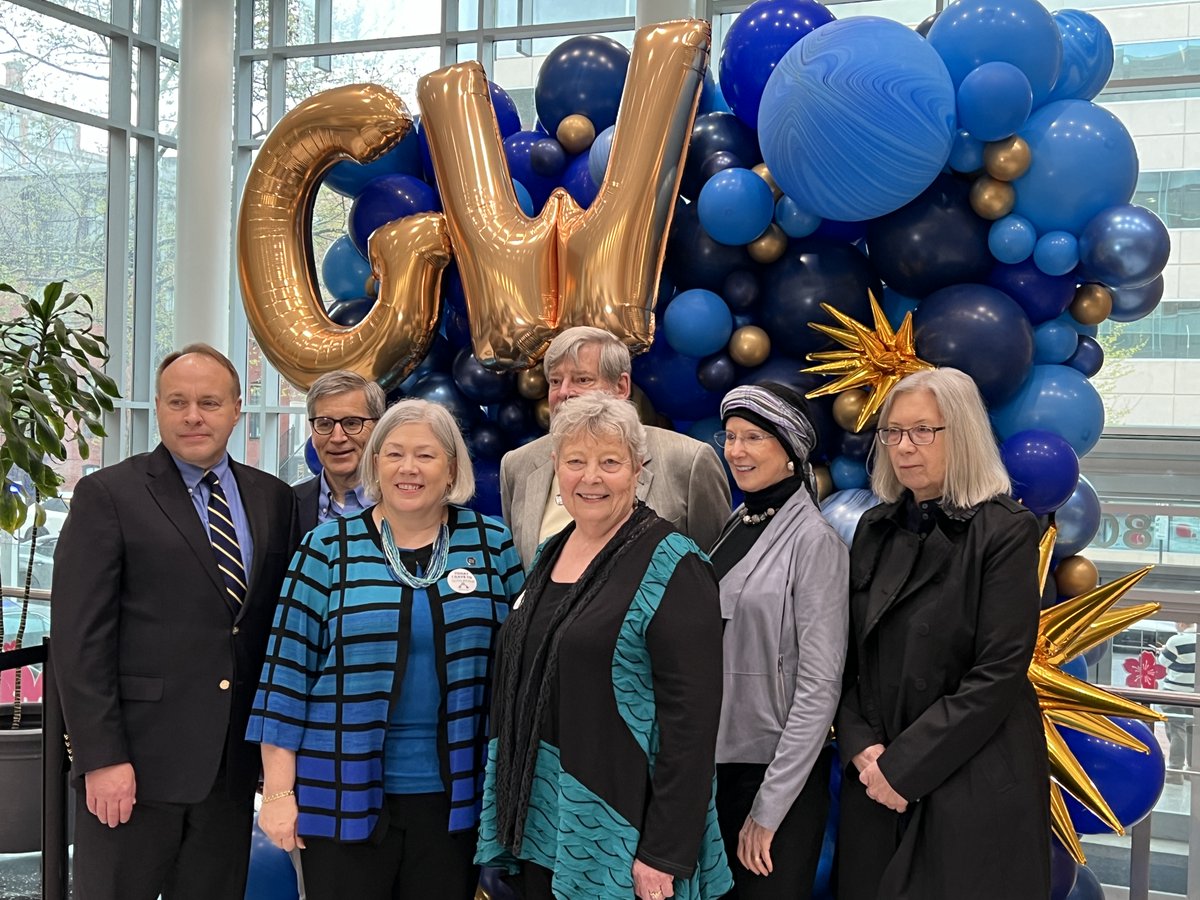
(145,289)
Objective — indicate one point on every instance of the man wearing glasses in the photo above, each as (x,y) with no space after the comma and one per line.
(342,410)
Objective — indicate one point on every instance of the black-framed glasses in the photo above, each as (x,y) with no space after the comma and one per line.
(350,424)
(749,439)
(920,435)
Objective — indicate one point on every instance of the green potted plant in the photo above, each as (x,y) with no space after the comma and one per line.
(53,392)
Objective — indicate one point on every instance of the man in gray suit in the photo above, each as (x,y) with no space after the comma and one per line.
(683,480)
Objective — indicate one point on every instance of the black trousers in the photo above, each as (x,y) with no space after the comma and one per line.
(532,882)
(197,851)
(796,847)
(413,859)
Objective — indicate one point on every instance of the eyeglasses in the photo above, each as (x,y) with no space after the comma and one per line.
(750,439)
(350,424)
(920,435)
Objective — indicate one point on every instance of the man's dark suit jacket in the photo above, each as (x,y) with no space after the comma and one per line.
(308,500)
(153,667)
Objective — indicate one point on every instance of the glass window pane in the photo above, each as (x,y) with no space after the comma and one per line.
(544,12)
(262,28)
(97,9)
(53,61)
(168,23)
(910,12)
(468,15)
(353,20)
(396,69)
(168,97)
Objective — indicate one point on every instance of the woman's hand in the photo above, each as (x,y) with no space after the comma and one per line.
(754,847)
(868,756)
(879,790)
(651,884)
(277,819)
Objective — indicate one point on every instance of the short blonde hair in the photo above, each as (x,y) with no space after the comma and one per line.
(974,472)
(444,428)
(596,415)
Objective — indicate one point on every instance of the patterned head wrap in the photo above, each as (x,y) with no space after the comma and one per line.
(781,412)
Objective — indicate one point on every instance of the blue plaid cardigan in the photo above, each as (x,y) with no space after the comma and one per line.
(336,654)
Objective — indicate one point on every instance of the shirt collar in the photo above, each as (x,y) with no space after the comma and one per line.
(326,499)
(193,474)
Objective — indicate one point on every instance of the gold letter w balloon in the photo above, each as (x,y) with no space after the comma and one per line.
(524,278)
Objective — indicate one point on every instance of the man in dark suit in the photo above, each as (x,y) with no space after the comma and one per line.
(342,411)
(166,577)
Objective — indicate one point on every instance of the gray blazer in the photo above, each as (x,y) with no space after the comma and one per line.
(787,608)
(683,481)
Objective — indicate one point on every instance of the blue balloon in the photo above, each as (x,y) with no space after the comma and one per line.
(478,383)
(857,119)
(348,178)
(741,290)
(271,875)
(717,373)
(670,383)
(1058,399)
(1088,357)
(311,459)
(843,509)
(1088,330)
(1043,467)
(487,487)
(519,150)
(387,199)
(694,260)
(1056,253)
(1131,304)
(1087,56)
(578,181)
(524,200)
(584,76)
(487,441)
(705,431)
(1076,667)
(1054,342)
(756,42)
(980,331)
(1012,239)
(437,387)
(599,152)
(1021,32)
(966,155)
(547,158)
(735,206)
(508,117)
(717,132)
(515,417)
(848,473)
(718,162)
(350,312)
(1129,781)
(1077,520)
(1087,885)
(697,323)
(1062,868)
(1125,246)
(344,270)
(1083,161)
(712,98)
(1043,297)
(794,221)
(857,446)
(438,358)
(897,306)
(994,100)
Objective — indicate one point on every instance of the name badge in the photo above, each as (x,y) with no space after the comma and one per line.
(463,581)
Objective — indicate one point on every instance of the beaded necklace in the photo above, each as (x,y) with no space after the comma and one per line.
(437,559)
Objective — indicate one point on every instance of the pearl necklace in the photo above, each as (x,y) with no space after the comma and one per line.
(437,559)
(759,518)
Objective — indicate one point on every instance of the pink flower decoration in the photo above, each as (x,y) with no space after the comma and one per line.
(1144,671)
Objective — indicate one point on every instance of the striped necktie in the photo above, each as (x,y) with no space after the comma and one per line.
(223,537)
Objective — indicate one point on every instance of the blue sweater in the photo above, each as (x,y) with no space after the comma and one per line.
(336,657)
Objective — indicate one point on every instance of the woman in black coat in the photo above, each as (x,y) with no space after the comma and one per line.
(946,790)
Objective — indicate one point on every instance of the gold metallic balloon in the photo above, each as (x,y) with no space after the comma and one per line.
(541,413)
(1075,575)
(371,287)
(848,407)
(750,346)
(274,246)
(992,199)
(764,173)
(576,133)
(1008,159)
(525,279)
(531,384)
(1092,304)
(824,481)
(768,246)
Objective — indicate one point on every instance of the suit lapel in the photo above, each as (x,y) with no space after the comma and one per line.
(170,493)
(906,565)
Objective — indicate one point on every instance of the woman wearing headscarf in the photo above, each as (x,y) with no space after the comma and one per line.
(608,690)
(783,573)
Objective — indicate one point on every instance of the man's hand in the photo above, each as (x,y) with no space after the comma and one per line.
(880,791)
(868,756)
(111,793)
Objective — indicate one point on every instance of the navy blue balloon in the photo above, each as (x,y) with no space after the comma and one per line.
(1129,781)
(833,230)
(271,875)
(456,327)
(438,358)
(1043,467)
(925,24)
(741,290)
(712,98)
(857,119)
(344,270)
(1062,865)
(980,331)
(518,150)
(812,271)
(386,199)
(438,387)
(310,457)
(585,76)
(578,181)
(547,158)
(1087,885)
(931,243)
(1054,398)
(1125,246)
(1043,297)
(756,42)
(1077,520)
(717,373)
(350,312)
(515,417)
(694,259)
(1054,342)
(711,133)
(487,487)
(857,445)
(1087,59)
(479,383)
(487,441)
(349,178)
(423,147)
(1131,304)
(508,117)
(849,474)
(896,306)
(670,382)
(718,162)
(1088,357)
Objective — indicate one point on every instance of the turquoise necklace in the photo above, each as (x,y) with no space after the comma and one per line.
(437,560)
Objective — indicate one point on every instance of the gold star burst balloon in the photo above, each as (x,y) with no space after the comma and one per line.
(1066,630)
(877,358)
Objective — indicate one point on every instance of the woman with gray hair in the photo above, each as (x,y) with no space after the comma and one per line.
(608,691)
(372,706)
(945,788)
(783,573)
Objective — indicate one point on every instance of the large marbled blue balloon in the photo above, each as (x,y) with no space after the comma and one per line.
(857,119)
(1087,58)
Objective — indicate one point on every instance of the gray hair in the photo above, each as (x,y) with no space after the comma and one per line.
(974,471)
(445,429)
(598,415)
(614,356)
(343,381)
